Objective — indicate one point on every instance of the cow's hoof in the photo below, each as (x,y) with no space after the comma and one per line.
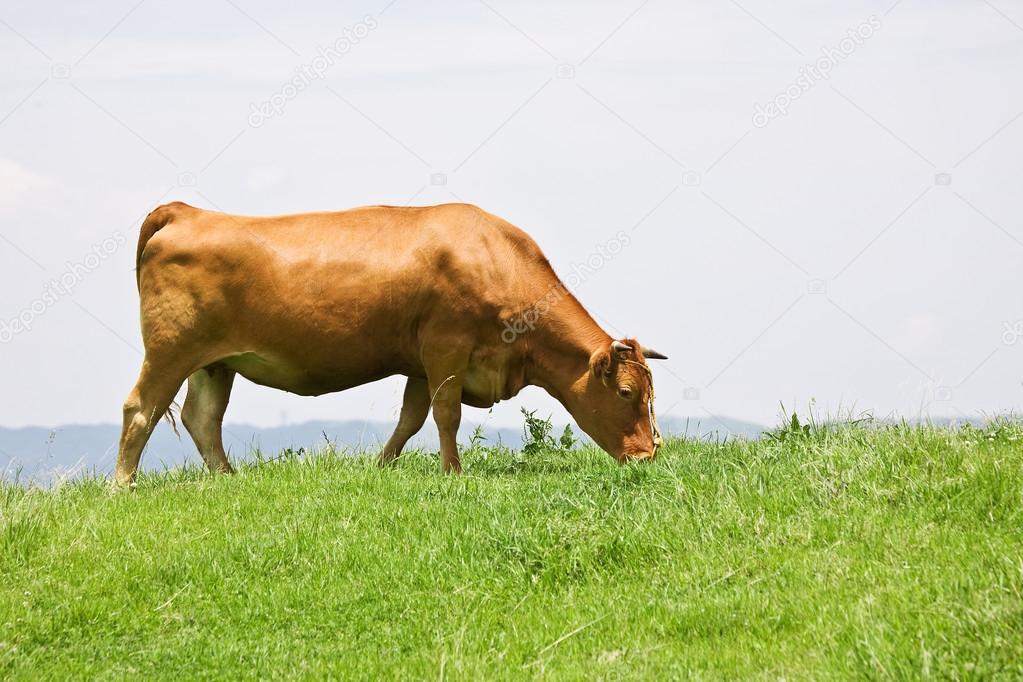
(122,486)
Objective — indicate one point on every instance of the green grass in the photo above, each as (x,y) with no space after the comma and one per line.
(848,551)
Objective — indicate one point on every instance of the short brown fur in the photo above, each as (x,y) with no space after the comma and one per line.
(322,302)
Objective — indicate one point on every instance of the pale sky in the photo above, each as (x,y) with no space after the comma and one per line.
(863,250)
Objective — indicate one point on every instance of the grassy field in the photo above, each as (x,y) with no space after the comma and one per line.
(848,551)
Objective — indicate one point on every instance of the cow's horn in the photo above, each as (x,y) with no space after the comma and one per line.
(620,347)
(651,354)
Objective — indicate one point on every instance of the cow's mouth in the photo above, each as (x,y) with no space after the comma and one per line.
(637,457)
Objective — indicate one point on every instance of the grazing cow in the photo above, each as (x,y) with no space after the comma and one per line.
(459,301)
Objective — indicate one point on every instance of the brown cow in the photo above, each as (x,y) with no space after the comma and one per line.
(321,302)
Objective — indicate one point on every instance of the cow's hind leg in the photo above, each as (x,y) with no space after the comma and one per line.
(415,407)
(209,390)
(143,409)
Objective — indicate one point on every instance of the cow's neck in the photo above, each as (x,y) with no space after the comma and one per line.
(559,356)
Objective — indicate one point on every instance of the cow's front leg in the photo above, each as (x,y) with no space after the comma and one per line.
(446,398)
(415,407)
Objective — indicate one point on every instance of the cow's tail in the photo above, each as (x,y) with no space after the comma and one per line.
(157,219)
(169,416)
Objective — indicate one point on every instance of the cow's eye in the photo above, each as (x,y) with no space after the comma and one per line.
(625,392)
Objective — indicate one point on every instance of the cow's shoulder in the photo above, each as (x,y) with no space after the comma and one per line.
(485,224)
(457,214)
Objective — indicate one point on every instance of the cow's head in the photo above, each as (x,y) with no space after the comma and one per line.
(616,401)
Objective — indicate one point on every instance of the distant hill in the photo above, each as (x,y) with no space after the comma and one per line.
(42,454)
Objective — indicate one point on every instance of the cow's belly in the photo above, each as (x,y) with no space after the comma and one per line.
(482,386)
(285,374)
(315,346)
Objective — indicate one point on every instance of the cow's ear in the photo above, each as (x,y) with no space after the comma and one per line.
(601,364)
